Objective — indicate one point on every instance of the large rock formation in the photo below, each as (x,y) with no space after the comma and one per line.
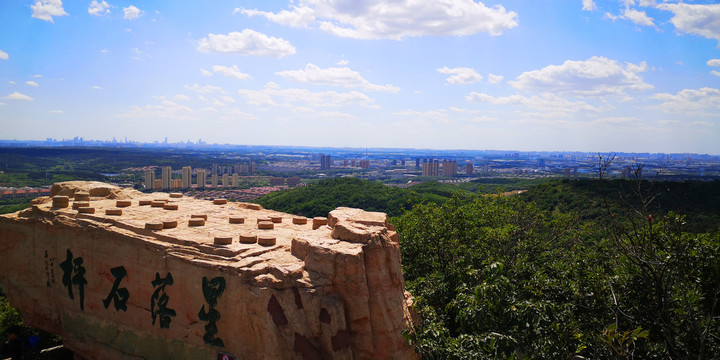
(126,275)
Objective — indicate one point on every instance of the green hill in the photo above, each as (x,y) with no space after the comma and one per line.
(320,198)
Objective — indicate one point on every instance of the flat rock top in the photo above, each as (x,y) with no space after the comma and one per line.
(197,243)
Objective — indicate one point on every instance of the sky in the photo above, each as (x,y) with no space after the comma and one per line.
(542,75)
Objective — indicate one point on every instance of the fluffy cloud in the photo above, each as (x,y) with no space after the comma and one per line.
(396,19)
(495,79)
(589,5)
(460,75)
(333,76)
(131,12)
(247,42)
(638,17)
(596,76)
(204,72)
(18,96)
(704,102)
(99,8)
(206,89)
(272,92)
(231,72)
(31,83)
(4,55)
(713,62)
(703,20)
(46,9)
(545,102)
(715,72)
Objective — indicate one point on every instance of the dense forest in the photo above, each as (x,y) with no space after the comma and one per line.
(566,270)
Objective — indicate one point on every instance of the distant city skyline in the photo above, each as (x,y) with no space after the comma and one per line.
(583,75)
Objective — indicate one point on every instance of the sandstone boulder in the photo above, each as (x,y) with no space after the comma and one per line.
(116,290)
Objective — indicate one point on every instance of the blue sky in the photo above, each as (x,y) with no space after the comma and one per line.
(629,75)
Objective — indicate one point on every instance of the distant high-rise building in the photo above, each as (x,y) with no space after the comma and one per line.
(325,162)
(430,167)
(166,177)
(235,180)
(186,177)
(276,181)
(469,168)
(364,164)
(149,178)
(214,181)
(417,162)
(201,178)
(157,184)
(449,167)
(226,180)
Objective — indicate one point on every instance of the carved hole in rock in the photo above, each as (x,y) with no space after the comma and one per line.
(341,340)
(325,316)
(306,349)
(276,311)
(298,300)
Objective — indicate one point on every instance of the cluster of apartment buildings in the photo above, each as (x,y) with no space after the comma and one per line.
(228,176)
(431,167)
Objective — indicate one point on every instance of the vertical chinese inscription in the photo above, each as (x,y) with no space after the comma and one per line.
(118,296)
(74,274)
(212,290)
(49,270)
(159,301)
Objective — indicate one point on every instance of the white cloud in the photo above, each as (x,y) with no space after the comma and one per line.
(333,76)
(95,87)
(394,19)
(206,89)
(46,9)
(589,5)
(342,62)
(298,17)
(460,75)
(98,8)
(11,82)
(713,62)
(18,96)
(545,102)
(31,83)
(704,101)
(4,55)
(57,112)
(204,72)
(596,76)
(231,72)
(104,51)
(131,12)
(495,79)
(181,97)
(273,92)
(638,17)
(715,72)
(703,20)
(37,76)
(247,42)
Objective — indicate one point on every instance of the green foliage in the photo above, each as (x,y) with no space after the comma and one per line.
(499,277)
(322,197)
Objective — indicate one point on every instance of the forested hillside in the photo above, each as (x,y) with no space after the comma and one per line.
(569,269)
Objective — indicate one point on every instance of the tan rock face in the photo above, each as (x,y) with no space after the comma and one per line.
(116,290)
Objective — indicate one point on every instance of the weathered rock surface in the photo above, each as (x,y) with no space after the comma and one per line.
(115,289)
